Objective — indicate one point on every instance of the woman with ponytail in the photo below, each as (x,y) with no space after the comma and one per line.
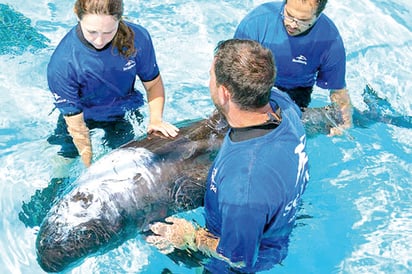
(92,76)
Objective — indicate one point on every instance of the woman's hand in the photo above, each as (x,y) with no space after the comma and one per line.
(162,128)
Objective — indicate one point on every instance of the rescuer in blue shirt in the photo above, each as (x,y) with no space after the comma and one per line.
(308,50)
(92,75)
(254,187)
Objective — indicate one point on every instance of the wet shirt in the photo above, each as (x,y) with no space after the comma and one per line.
(316,56)
(99,83)
(253,189)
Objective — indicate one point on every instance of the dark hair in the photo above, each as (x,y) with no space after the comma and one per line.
(321,5)
(247,70)
(124,38)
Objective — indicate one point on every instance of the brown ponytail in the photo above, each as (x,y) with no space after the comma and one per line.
(124,40)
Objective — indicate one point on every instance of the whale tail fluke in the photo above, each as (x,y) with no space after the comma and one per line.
(320,120)
(380,110)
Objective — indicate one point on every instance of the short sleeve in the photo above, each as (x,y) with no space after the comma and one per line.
(332,72)
(146,57)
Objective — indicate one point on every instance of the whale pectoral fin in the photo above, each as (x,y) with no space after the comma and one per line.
(187,193)
(34,211)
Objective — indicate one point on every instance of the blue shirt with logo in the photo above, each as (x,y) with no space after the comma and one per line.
(253,191)
(100,83)
(317,56)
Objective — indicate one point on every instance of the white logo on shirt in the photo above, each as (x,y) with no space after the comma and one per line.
(58,98)
(129,65)
(212,181)
(302,174)
(303,160)
(300,59)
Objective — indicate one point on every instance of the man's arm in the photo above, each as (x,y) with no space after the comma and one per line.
(341,98)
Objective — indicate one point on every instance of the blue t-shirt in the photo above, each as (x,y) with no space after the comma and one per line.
(253,189)
(317,56)
(100,83)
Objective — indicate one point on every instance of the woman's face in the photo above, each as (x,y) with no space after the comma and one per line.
(99,30)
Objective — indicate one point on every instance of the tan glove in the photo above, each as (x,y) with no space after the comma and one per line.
(81,138)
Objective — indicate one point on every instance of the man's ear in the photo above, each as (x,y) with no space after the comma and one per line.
(224,95)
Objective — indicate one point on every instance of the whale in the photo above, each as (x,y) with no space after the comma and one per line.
(141,182)
(125,190)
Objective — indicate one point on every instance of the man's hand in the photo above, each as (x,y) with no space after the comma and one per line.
(177,233)
(182,234)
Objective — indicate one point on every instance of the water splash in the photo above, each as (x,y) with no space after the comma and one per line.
(17,34)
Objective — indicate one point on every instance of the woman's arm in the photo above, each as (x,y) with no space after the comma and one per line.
(156,99)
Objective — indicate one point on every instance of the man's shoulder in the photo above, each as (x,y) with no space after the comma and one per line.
(283,100)
(269,9)
(326,26)
(263,19)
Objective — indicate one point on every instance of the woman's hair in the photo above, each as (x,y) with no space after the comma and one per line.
(124,38)
(247,70)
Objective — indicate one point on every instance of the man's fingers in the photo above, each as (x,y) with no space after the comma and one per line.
(159,228)
(162,244)
(172,219)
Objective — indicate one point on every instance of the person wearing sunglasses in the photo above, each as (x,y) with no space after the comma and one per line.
(308,50)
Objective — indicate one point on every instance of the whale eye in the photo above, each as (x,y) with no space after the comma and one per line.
(85,199)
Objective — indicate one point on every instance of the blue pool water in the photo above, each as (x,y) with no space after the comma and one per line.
(357,210)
